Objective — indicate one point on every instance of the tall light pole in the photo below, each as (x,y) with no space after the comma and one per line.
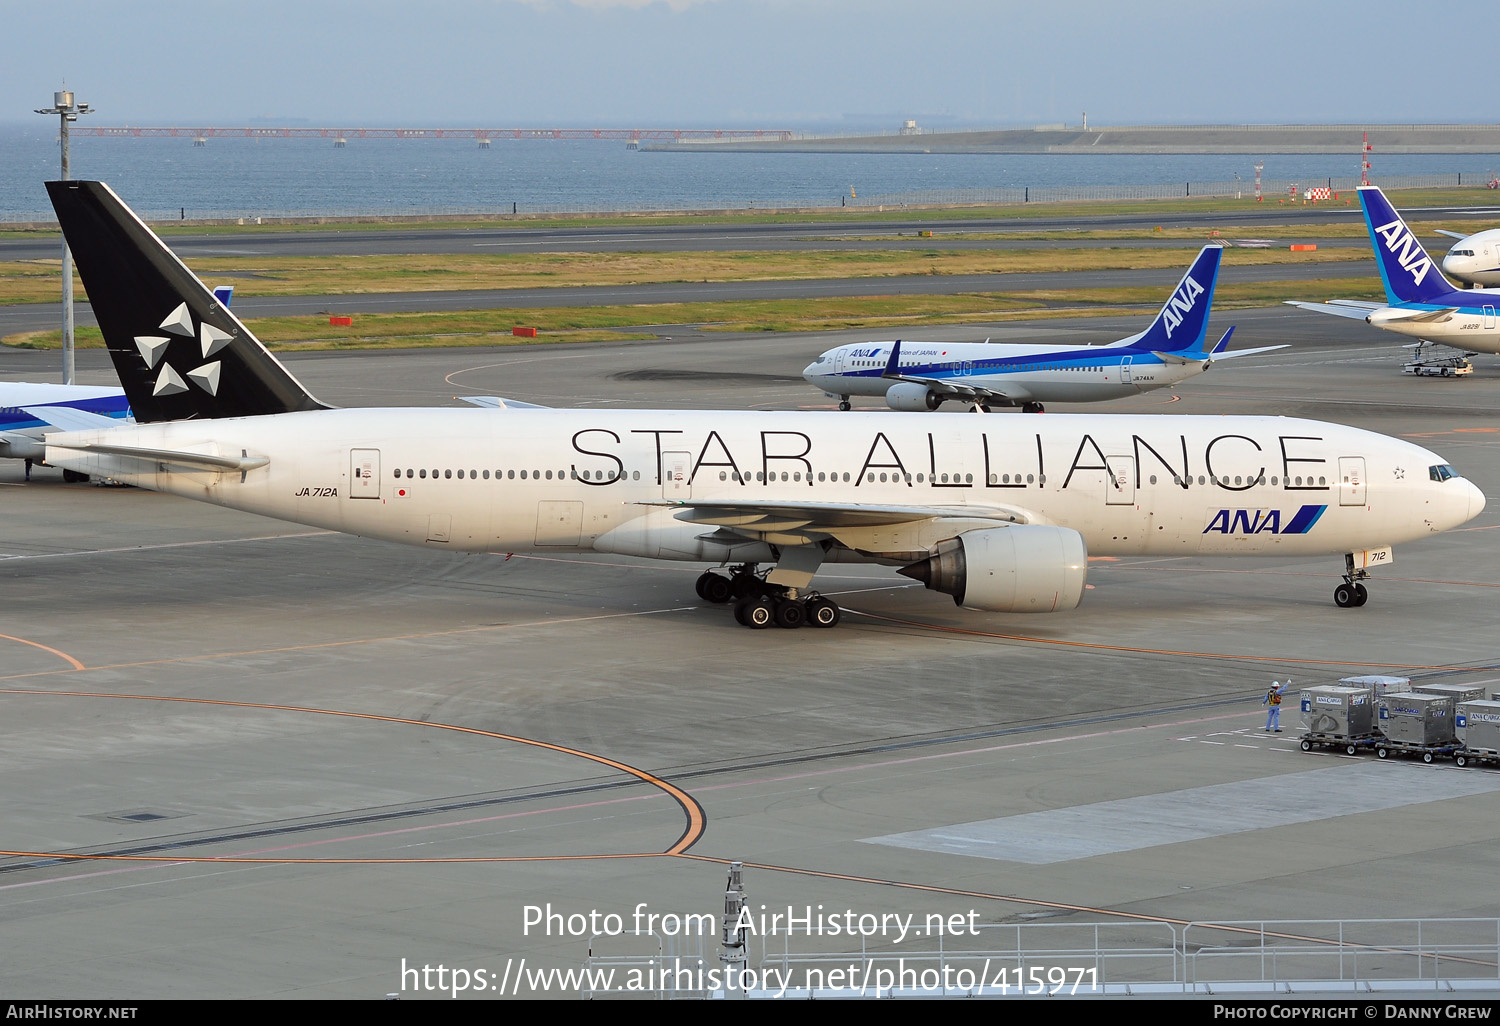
(63,105)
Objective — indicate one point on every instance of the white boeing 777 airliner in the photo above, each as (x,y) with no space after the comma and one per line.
(1000,513)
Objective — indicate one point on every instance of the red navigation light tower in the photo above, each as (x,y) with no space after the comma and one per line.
(1365,149)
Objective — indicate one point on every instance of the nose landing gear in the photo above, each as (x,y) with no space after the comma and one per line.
(1351,594)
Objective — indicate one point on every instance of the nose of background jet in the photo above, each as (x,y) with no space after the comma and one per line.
(811,372)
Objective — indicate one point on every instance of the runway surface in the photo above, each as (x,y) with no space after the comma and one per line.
(44,316)
(856,231)
(326,755)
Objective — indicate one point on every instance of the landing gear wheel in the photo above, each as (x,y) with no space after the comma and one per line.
(790,614)
(1361,594)
(74,477)
(714,588)
(1344,597)
(755,612)
(1426,756)
(844,405)
(823,612)
(1383,752)
(1307,746)
(1033,408)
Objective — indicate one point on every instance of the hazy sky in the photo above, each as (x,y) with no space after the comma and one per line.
(771,63)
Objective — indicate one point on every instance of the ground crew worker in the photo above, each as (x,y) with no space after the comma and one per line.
(1273,700)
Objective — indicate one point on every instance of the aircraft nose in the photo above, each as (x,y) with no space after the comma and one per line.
(1476,500)
(811,371)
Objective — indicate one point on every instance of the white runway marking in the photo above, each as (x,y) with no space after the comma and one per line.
(1197,813)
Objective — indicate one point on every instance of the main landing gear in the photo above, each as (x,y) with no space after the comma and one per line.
(1033,408)
(758,604)
(1351,593)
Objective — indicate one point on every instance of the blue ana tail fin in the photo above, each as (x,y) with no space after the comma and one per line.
(1406,271)
(1183,322)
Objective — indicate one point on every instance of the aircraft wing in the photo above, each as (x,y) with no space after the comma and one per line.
(1345,308)
(947,387)
(68,418)
(22,446)
(1451,235)
(941,386)
(496,402)
(754,518)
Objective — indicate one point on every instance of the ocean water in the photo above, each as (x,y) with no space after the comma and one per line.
(165,177)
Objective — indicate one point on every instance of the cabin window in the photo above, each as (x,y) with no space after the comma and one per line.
(486,475)
(1153,479)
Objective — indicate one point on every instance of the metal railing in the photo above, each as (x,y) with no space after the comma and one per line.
(1141,958)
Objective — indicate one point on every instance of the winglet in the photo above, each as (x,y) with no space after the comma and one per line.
(1223,342)
(1407,272)
(893,365)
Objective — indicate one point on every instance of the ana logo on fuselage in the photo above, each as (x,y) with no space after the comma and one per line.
(1262,521)
(1181,303)
(1410,255)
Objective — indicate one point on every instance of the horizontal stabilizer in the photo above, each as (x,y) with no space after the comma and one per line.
(1356,312)
(69,418)
(1178,358)
(195,460)
(1391,315)
(1250,352)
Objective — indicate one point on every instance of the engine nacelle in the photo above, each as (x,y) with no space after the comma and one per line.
(909,395)
(1029,568)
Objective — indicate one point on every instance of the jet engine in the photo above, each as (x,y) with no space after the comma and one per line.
(1028,568)
(911,395)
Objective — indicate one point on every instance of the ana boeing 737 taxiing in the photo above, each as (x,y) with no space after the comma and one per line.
(923,376)
(1000,513)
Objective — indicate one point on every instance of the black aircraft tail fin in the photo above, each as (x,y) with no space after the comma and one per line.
(179,352)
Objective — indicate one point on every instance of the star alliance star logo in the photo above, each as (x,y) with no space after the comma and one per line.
(1400,473)
(154,347)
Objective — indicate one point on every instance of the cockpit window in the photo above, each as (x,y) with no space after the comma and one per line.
(1441,472)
